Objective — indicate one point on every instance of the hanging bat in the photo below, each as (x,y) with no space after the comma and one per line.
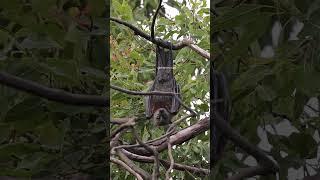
(162,108)
(221,105)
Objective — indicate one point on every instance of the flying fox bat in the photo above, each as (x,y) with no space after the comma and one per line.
(162,108)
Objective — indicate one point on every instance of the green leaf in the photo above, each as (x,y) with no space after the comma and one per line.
(266,93)
(43,6)
(250,79)
(299,142)
(251,33)
(284,106)
(50,135)
(26,115)
(97,7)
(17,149)
(241,15)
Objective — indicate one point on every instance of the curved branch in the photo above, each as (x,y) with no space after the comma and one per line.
(250,172)
(123,126)
(52,93)
(176,166)
(133,166)
(156,173)
(177,138)
(124,165)
(159,42)
(267,164)
(154,19)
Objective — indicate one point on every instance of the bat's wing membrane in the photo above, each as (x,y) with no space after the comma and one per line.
(148,103)
(175,103)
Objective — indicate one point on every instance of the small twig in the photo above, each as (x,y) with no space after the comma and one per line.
(115,141)
(130,122)
(193,113)
(125,166)
(154,19)
(156,172)
(170,157)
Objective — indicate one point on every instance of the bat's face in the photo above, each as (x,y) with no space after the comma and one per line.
(164,75)
(162,117)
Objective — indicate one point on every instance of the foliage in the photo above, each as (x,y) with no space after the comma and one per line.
(132,67)
(52,43)
(266,90)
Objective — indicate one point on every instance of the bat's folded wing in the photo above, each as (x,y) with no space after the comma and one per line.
(175,103)
(148,103)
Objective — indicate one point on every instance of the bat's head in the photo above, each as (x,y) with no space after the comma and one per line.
(162,117)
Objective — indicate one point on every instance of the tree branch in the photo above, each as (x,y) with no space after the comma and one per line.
(268,166)
(52,93)
(250,172)
(129,123)
(200,51)
(157,41)
(154,20)
(177,138)
(125,166)
(161,93)
(137,169)
(156,173)
(176,166)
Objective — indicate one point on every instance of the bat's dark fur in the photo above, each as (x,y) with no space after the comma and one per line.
(163,108)
(220,104)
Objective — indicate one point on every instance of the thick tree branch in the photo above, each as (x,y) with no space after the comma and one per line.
(52,93)
(267,165)
(250,172)
(177,138)
(134,167)
(125,166)
(176,166)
